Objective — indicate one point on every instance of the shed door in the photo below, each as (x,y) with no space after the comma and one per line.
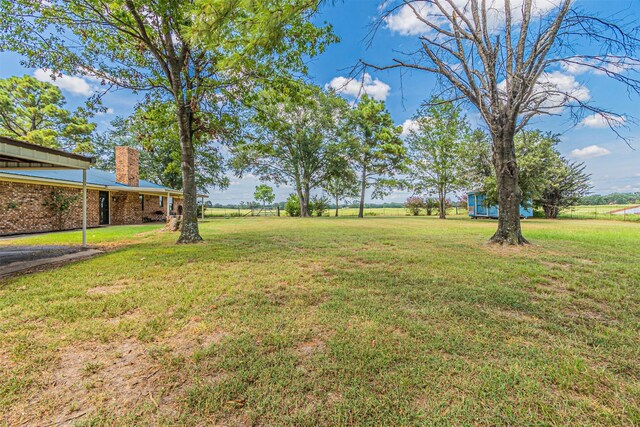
(104,207)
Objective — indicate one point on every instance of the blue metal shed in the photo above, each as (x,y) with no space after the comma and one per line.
(477,207)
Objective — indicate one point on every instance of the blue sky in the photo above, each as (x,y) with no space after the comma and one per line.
(613,164)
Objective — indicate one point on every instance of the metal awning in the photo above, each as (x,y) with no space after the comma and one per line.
(22,155)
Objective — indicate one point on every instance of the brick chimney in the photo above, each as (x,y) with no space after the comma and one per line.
(127,168)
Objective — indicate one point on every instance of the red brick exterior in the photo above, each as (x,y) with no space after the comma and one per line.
(23,210)
(127,166)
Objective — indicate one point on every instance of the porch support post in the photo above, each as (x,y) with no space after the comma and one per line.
(84,208)
(168,205)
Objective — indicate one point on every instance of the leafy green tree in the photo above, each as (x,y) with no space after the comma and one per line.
(264,194)
(341,185)
(293,138)
(377,150)
(567,182)
(435,150)
(546,178)
(34,111)
(152,130)
(199,55)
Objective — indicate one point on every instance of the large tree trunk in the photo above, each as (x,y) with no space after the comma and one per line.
(443,207)
(303,198)
(550,211)
(190,232)
(509,193)
(363,189)
(337,204)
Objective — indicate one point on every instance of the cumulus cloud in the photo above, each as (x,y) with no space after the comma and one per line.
(71,84)
(590,152)
(405,22)
(556,90)
(408,126)
(375,88)
(603,121)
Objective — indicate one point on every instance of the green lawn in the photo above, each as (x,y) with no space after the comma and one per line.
(324,321)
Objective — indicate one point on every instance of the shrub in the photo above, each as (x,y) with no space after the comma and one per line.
(431,204)
(414,205)
(318,205)
(59,203)
(292,206)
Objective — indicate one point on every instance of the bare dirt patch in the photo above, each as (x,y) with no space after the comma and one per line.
(307,348)
(116,377)
(106,290)
(196,335)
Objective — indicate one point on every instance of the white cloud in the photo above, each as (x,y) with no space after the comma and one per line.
(602,121)
(375,88)
(408,126)
(601,65)
(590,152)
(109,111)
(556,90)
(406,23)
(74,85)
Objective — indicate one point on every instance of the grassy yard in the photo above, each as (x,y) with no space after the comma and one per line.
(324,321)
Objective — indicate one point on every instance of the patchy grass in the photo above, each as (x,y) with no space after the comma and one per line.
(381,321)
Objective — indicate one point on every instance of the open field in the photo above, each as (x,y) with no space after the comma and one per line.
(324,321)
(348,212)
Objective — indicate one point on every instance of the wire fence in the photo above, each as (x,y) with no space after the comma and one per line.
(608,212)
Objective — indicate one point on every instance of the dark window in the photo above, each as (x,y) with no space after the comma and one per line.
(161,201)
(142,202)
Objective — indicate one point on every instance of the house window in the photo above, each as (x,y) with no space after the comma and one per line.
(142,202)
(161,201)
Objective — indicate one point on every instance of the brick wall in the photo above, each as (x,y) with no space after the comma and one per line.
(152,210)
(125,208)
(23,210)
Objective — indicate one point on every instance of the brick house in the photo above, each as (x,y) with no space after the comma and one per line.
(112,199)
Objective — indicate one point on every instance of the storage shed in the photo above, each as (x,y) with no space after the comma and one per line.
(478,208)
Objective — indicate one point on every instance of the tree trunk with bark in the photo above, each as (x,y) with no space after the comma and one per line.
(550,211)
(509,193)
(303,198)
(443,207)
(337,204)
(363,189)
(190,232)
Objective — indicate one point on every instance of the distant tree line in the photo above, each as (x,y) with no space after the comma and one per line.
(610,199)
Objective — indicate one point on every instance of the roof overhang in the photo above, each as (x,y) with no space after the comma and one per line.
(22,155)
(26,179)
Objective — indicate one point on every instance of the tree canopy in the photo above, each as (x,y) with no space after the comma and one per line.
(34,111)
(376,150)
(294,134)
(199,55)
(435,149)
